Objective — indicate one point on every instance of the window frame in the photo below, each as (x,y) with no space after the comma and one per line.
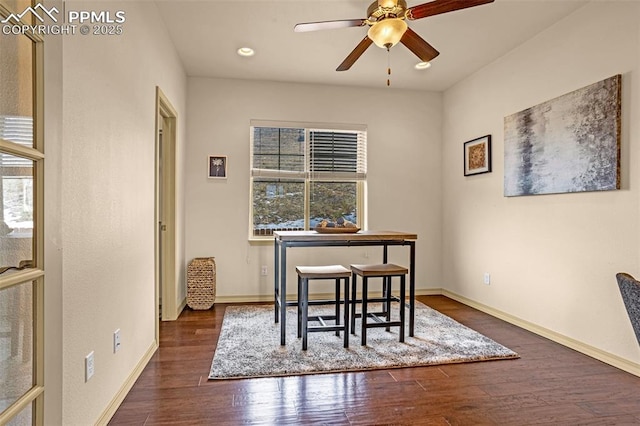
(34,397)
(306,176)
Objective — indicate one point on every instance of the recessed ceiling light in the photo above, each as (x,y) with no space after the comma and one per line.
(246,51)
(422,65)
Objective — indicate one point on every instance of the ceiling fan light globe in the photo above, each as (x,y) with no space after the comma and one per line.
(387,3)
(388,32)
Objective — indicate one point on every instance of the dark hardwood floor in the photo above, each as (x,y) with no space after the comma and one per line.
(548,384)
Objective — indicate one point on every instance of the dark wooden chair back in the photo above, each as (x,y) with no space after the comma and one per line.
(630,291)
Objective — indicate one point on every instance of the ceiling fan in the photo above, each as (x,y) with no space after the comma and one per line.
(386,19)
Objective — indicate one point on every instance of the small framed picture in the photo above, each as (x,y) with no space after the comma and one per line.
(477,156)
(218,166)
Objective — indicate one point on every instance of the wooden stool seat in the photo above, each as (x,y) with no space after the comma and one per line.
(386,271)
(326,272)
(379,270)
(330,272)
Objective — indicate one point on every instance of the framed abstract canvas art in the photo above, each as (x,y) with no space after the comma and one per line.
(568,144)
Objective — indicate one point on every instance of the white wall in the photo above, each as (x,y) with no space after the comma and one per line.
(53,228)
(552,258)
(105,156)
(403,173)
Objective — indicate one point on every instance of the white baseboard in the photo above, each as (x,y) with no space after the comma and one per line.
(111,409)
(183,305)
(599,354)
(269,298)
(244,299)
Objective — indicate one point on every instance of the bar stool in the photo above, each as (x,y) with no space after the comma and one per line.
(386,271)
(336,272)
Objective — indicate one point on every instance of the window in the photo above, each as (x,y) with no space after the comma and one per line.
(21,219)
(301,174)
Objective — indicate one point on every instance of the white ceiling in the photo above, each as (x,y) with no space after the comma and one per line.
(207,33)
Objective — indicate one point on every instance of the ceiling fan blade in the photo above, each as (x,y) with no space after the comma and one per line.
(437,7)
(418,46)
(328,25)
(355,54)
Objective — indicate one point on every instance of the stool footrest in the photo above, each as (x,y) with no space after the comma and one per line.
(381,323)
(325,328)
(322,319)
(380,299)
(318,302)
(370,314)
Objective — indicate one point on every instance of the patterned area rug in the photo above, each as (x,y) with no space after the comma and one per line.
(249,345)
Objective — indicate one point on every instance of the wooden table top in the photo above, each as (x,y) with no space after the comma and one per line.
(357,236)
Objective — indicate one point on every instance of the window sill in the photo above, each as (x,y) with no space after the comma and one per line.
(266,240)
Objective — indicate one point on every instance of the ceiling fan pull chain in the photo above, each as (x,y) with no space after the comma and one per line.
(388,66)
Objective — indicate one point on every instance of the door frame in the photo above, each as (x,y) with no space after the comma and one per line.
(165,208)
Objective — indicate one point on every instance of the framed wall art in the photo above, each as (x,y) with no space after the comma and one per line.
(567,144)
(477,156)
(218,166)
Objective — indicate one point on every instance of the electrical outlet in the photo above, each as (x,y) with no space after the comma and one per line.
(264,270)
(89,367)
(116,341)
(487,278)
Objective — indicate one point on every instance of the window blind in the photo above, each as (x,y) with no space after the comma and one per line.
(337,155)
(19,130)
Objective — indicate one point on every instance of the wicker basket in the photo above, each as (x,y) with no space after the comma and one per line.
(201,283)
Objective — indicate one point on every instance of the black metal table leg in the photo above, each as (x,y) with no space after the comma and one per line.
(346,312)
(412,286)
(353,303)
(402,303)
(300,306)
(276,271)
(305,312)
(283,293)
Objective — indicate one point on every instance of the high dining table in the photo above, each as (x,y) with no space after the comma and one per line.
(287,239)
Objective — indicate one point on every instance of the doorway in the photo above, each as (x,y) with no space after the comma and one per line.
(165,208)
